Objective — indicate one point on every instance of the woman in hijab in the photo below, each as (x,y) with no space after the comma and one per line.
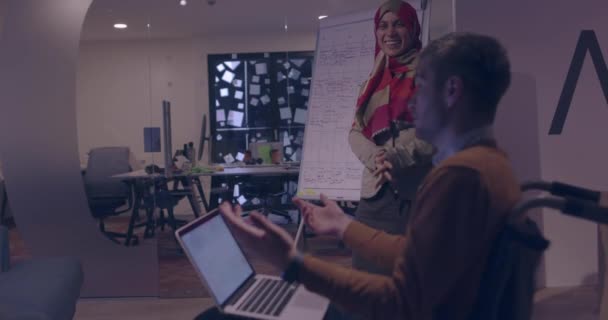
(383,131)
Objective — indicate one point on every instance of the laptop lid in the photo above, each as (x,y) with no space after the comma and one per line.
(216,256)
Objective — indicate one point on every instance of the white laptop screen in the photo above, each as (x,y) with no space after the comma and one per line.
(217,257)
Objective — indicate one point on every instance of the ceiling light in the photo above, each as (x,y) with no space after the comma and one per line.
(183,2)
(322,17)
(120,25)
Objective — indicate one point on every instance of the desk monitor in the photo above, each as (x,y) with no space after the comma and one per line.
(201,144)
(264,150)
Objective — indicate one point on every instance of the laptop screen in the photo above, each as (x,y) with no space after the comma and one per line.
(217,257)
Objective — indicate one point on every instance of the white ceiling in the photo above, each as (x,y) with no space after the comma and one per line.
(226,18)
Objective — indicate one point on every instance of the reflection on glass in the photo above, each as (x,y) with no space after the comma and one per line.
(258,77)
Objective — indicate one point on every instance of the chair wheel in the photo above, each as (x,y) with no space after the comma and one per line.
(134,241)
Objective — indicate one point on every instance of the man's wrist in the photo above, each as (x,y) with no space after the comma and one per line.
(292,271)
(342,226)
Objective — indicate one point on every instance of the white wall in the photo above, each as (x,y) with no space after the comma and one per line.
(121,85)
(541,42)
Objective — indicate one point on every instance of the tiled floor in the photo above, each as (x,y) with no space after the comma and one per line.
(182,295)
(580,303)
(551,304)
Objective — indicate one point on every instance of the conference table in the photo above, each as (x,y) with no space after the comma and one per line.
(148,186)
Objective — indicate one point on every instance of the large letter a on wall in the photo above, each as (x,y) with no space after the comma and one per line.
(586,42)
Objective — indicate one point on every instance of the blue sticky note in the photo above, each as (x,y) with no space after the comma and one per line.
(152,139)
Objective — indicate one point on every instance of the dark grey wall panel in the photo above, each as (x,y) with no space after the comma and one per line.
(38,143)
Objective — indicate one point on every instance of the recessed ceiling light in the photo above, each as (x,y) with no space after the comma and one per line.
(120,25)
(183,2)
(322,17)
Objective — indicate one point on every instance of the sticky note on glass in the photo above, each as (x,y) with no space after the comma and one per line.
(217,79)
(261,68)
(220,115)
(228,76)
(298,62)
(233,64)
(217,103)
(305,92)
(288,150)
(241,200)
(281,100)
(218,137)
(281,76)
(286,141)
(285,113)
(267,81)
(300,116)
(235,118)
(237,83)
(220,67)
(236,191)
(229,158)
(294,74)
(303,81)
(291,90)
(224,92)
(254,102)
(255,89)
(241,105)
(240,156)
(238,95)
(265,99)
(255,79)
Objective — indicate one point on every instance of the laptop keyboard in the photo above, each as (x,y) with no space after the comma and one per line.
(269,298)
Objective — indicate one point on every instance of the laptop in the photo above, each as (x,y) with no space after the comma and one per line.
(232,282)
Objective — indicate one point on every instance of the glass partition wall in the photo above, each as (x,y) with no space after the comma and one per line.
(243,75)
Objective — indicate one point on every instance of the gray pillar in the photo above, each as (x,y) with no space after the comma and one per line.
(38,143)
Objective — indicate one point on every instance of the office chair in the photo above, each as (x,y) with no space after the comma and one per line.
(508,283)
(166,199)
(270,193)
(108,196)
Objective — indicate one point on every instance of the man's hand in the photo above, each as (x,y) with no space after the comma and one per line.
(326,220)
(271,241)
(384,171)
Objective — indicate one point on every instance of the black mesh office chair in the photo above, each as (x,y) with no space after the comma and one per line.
(270,193)
(508,283)
(108,196)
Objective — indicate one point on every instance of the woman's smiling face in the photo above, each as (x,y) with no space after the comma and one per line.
(392,35)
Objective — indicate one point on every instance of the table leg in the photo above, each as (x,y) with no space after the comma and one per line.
(201,192)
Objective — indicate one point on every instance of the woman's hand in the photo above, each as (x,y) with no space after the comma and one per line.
(384,172)
(380,158)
